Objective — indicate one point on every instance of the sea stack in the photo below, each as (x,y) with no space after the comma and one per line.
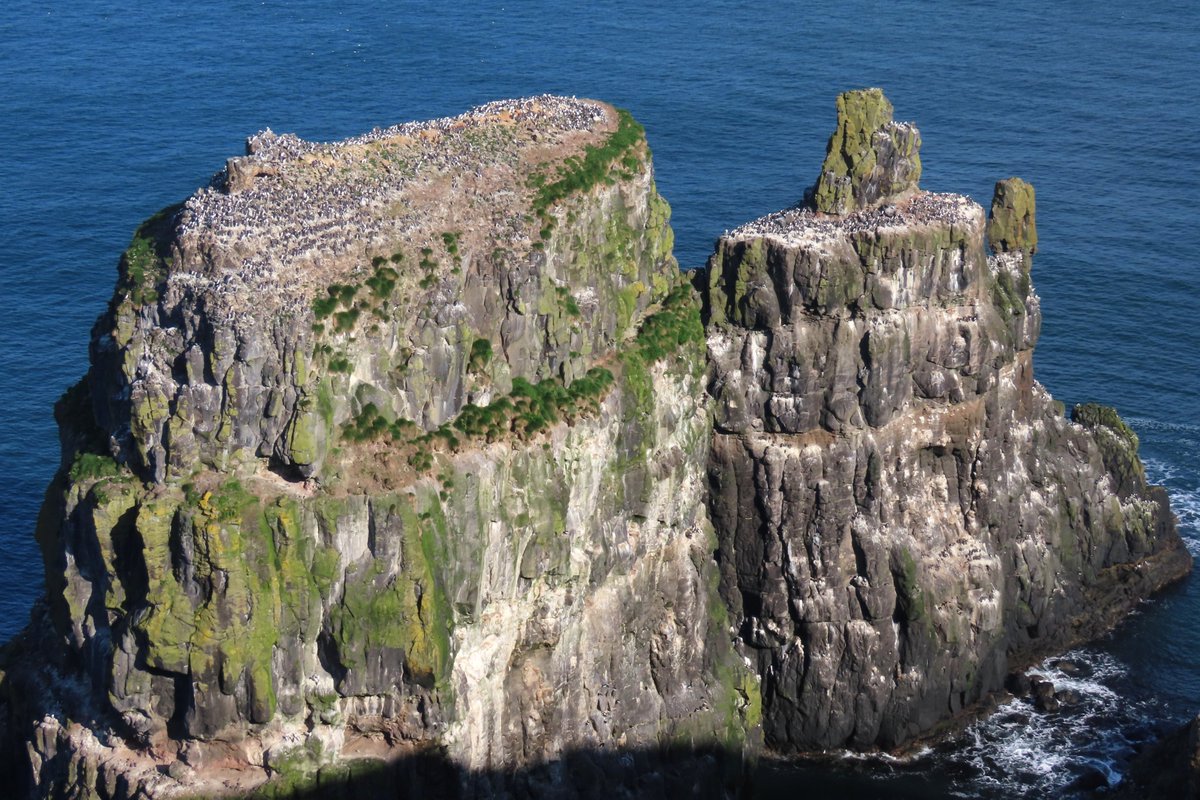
(904,514)
(412,465)
(391,455)
(869,157)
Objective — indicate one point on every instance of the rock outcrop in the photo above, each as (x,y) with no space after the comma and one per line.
(904,514)
(401,466)
(390,444)
(1012,226)
(1168,769)
(869,158)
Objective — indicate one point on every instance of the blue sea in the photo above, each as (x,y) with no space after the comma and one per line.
(109,112)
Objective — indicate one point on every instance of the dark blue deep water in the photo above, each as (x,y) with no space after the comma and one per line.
(107,115)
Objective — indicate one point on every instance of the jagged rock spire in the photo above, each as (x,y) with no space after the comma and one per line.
(1013,222)
(870,158)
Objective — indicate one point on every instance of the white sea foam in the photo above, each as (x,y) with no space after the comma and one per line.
(1148,424)
(886,758)
(1020,751)
(1183,487)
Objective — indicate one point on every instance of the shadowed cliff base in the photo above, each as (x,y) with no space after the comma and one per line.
(582,775)
(928,769)
(652,774)
(669,772)
(1167,768)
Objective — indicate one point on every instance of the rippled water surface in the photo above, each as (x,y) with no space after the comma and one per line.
(107,115)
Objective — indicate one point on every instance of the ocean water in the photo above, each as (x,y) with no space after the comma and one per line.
(108,114)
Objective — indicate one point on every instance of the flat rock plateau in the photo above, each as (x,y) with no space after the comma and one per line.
(412,465)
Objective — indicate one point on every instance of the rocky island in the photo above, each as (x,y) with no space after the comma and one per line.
(413,465)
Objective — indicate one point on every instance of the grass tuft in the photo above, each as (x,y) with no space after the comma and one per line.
(580,174)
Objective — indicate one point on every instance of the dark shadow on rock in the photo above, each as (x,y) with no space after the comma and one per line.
(585,774)
(673,772)
(1166,768)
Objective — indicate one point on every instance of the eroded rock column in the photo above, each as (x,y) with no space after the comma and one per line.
(904,514)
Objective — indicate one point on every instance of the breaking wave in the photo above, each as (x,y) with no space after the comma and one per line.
(1022,751)
(1183,487)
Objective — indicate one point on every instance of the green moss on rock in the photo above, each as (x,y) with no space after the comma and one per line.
(481,355)
(1118,445)
(578,174)
(406,613)
(1012,225)
(168,625)
(869,157)
(306,437)
(144,265)
(910,598)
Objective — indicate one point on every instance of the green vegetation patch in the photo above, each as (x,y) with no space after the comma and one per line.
(144,264)
(371,424)
(527,410)
(531,408)
(537,406)
(428,265)
(343,304)
(336,295)
(676,324)
(569,304)
(581,173)
(406,612)
(382,282)
(481,355)
(93,466)
(344,320)
(142,269)
(340,363)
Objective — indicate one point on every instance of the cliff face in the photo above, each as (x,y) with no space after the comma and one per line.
(408,446)
(904,513)
(425,267)
(392,442)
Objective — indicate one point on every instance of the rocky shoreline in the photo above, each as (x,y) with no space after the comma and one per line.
(413,464)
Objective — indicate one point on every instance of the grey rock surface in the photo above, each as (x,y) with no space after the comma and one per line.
(402,463)
(389,446)
(905,515)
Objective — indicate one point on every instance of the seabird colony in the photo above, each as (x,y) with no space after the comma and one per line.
(801,224)
(314,202)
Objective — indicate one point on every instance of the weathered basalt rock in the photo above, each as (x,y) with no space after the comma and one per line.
(395,471)
(1168,769)
(389,446)
(1013,223)
(904,514)
(869,158)
(404,259)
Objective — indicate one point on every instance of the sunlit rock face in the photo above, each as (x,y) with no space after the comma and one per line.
(412,464)
(904,514)
(389,446)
